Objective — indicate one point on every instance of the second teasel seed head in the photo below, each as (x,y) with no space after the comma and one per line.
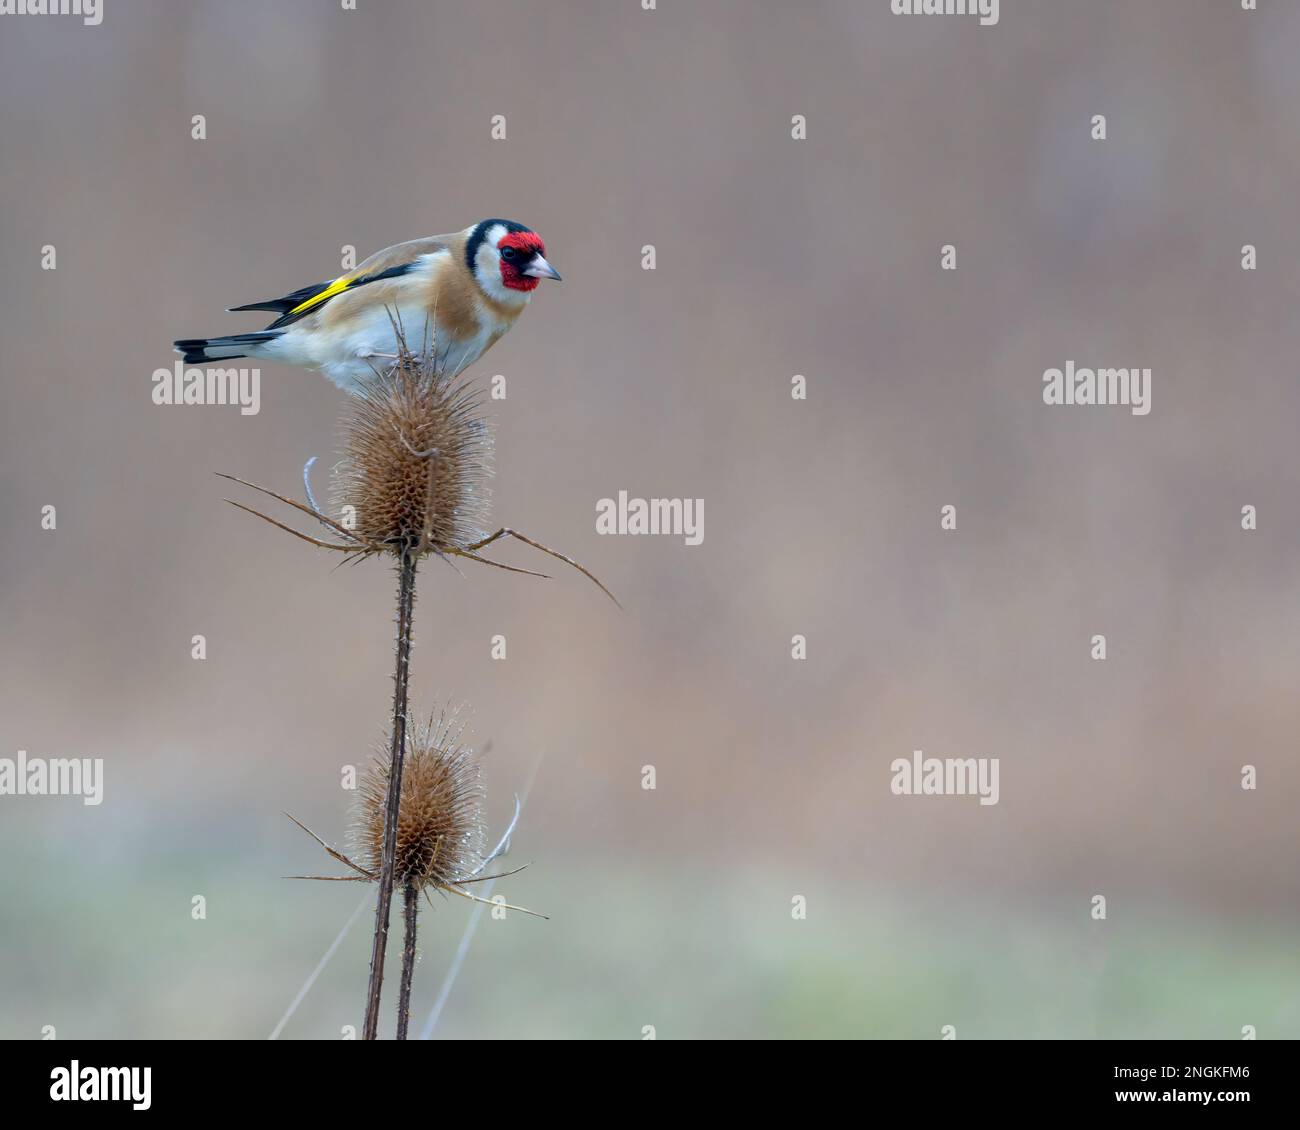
(440,830)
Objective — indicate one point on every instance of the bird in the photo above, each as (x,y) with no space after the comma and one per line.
(454,295)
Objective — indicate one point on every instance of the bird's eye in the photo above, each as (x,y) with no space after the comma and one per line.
(507,253)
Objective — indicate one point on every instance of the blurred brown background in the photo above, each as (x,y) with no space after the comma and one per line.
(672,127)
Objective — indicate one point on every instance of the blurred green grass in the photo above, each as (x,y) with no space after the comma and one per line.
(695,953)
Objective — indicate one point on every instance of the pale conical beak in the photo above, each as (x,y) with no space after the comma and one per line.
(539,268)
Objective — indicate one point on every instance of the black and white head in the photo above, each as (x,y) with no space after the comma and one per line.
(507,260)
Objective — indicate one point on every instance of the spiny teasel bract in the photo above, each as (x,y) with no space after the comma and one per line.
(416,460)
(440,812)
(413,473)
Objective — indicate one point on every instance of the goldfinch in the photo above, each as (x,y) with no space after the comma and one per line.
(454,294)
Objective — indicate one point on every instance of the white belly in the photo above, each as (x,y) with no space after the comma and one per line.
(350,354)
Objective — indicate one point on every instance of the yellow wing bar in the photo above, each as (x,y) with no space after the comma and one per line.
(338,286)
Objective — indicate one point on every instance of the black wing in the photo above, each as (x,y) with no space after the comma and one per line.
(309,299)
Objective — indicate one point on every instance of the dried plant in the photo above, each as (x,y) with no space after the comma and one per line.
(411,482)
(439,843)
(415,465)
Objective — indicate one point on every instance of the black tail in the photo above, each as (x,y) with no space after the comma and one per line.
(198,350)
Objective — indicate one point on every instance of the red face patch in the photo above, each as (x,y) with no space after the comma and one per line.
(517,249)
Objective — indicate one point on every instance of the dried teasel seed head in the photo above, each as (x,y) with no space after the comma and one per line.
(416,459)
(440,816)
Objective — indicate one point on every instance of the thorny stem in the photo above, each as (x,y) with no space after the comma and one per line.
(408,961)
(401,680)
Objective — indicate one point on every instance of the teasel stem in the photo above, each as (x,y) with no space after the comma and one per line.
(401,681)
(408,961)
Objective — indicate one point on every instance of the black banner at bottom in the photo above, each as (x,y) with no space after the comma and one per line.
(336,1078)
